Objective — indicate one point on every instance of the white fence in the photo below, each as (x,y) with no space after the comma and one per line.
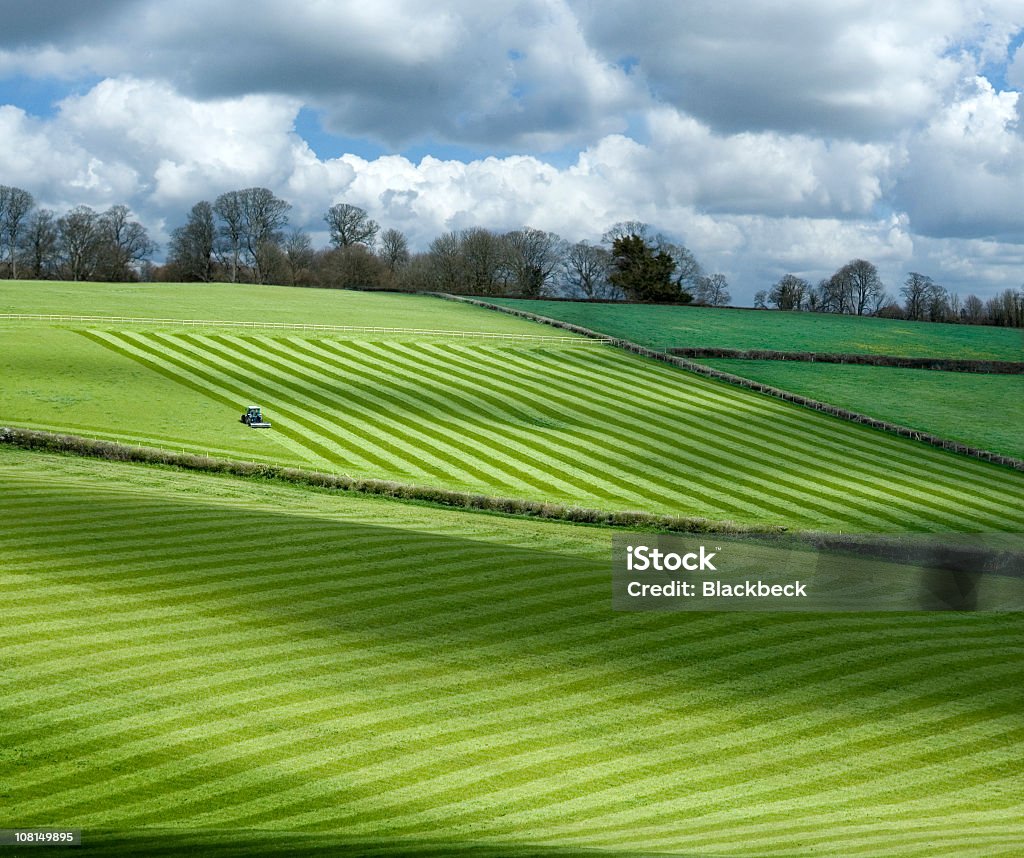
(298,326)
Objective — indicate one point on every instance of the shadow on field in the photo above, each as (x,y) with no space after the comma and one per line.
(457,601)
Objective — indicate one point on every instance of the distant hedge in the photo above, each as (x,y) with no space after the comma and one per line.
(28,439)
(996,367)
(759,387)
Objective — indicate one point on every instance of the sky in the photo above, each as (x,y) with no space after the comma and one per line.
(768,136)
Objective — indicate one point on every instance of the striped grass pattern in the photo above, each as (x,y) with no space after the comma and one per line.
(227,674)
(599,428)
(373,331)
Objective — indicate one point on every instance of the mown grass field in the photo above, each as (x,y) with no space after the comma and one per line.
(985,411)
(207,665)
(593,427)
(980,411)
(245,302)
(660,327)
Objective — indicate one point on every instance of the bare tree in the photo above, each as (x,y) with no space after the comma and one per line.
(418,274)
(298,257)
(532,258)
(688,270)
(938,308)
(484,254)
(861,283)
(889,308)
(915,291)
(39,243)
(251,224)
(15,204)
(394,249)
(624,229)
(956,306)
(835,294)
(882,300)
(192,245)
(350,225)
(789,293)
(265,216)
(1006,309)
(974,310)
(713,290)
(122,244)
(585,271)
(231,230)
(354,266)
(79,242)
(446,269)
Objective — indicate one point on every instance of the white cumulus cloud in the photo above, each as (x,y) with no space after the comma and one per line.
(769,138)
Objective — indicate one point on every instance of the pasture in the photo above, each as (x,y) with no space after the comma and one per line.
(202,664)
(662,327)
(246,302)
(212,665)
(985,411)
(593,427)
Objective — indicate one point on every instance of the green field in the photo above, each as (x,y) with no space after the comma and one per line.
(980,411)
(208,665)
(593,427)
(985,411)
(660,327)
(245,302)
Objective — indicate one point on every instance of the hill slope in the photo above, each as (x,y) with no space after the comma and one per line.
(599,428)
(663,327)
(200,662)
(985,411)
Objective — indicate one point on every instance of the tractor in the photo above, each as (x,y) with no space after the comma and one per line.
(253,417)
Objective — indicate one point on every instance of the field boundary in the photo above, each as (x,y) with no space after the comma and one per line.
(993,367)
(301,326)
(757,386)
(77,445)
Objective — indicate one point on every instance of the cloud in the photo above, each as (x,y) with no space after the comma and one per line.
(963,175)
(542,74)
(788,137)
(396,71)
(1015,69)
(57,168)
(767,172)
(55,21)
(853,68)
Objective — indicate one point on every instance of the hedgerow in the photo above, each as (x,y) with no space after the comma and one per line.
(29,439)
(997,367)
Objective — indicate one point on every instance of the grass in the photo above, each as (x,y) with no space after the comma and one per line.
(198,663)
(244,302)
(660,327)
(597,428)
(985,411)
(213,666)
(52,377)
(590,427)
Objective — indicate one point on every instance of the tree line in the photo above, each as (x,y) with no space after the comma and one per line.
(82,244)
(856,289)
(244,236)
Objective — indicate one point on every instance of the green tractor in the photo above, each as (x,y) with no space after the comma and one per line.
(253,418)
